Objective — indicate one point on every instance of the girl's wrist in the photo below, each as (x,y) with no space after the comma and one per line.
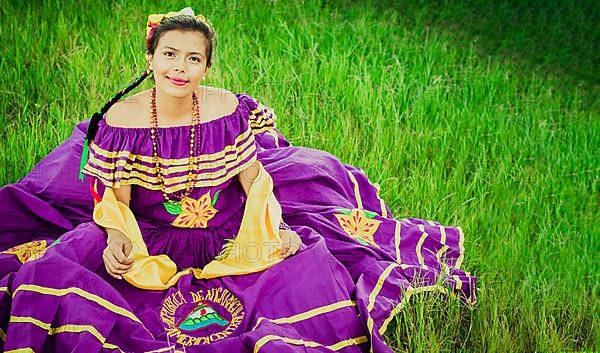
(284,226)
(113,233)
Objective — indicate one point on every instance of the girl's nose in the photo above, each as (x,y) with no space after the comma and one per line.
(179,65)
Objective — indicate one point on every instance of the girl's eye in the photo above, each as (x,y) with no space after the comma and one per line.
(169,53)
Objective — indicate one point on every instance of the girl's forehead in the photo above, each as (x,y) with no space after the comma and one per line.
(183,41)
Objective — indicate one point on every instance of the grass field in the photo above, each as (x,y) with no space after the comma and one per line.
(473,114)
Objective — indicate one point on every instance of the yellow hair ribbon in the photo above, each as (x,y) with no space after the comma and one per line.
(155,19)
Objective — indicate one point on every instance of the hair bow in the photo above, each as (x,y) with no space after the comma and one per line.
(155,19)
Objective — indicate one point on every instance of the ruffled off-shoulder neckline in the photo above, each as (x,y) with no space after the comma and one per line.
(241,97)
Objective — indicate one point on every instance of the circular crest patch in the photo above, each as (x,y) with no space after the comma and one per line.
(201,317)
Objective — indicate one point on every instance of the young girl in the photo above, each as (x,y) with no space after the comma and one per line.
(177,239)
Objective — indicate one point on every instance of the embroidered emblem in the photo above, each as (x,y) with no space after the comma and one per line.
(201,317)
(194,213)
(28,251)
(359,225)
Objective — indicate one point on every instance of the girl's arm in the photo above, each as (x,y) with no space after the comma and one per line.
(122,194)
(248,175)
(289,238)
(118,245)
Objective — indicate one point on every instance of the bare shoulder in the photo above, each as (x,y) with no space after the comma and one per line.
(216,102)
(133,112)
(129,112)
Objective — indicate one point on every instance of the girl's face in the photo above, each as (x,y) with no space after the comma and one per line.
(179,62)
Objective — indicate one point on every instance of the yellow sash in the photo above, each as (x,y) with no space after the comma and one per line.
(256,247)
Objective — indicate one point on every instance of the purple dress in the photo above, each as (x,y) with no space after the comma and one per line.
(357,267)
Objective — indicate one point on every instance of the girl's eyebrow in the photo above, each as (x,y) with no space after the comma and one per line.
(193,52)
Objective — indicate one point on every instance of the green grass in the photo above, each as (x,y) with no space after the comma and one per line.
(468,113)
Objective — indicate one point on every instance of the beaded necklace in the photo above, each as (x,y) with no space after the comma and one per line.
(191,177)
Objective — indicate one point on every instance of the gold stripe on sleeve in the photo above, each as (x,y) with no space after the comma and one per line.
(173,161)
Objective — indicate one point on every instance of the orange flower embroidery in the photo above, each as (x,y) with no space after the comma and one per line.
(28,251)
(359,226)
(195,213)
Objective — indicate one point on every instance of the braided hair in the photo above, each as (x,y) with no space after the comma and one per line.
(179,22)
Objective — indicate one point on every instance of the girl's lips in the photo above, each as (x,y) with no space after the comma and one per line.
(177,82)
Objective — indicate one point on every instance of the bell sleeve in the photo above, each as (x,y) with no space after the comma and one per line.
(263,122)
(113,154)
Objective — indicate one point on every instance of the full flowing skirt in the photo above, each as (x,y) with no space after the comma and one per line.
(356,269)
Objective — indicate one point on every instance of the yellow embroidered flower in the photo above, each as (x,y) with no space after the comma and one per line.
(195,213)
(28,251)
(359,226)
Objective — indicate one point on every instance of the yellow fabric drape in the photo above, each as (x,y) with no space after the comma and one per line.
(256,247)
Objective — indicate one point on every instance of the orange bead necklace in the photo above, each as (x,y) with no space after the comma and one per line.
(191,177)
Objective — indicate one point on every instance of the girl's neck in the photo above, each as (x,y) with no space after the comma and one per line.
(171,108)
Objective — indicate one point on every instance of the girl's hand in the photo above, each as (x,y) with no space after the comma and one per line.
(115,255)
(290,242)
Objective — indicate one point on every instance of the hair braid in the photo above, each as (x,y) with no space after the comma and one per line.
(92,128)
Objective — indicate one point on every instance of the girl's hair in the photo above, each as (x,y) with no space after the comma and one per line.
(180,22)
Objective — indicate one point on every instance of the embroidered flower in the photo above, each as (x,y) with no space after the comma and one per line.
(28,251)
(359,225)
(195,213)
